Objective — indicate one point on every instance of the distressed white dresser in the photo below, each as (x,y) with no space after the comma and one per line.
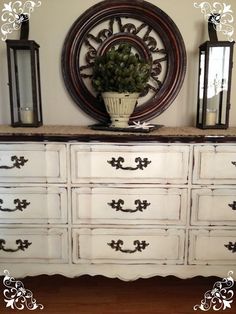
(75,201)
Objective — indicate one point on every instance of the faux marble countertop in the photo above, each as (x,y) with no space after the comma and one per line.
(80,133)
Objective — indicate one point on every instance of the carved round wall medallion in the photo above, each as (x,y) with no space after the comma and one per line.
(150,31)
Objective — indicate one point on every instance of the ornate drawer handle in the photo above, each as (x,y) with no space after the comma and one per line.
(22,245)
(20,205)
(139,246)
(117,163)
(17,162)
(231,246)
(141,205)
(233,205)
(233,163)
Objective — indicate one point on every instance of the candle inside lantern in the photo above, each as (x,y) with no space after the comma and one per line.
(211,116)
(27,115)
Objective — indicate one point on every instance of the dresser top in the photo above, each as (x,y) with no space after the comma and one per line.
(85,134)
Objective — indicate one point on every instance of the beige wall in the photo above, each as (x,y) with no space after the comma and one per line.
(49,25)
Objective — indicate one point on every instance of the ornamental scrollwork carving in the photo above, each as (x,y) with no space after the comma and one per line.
(143,32)
(151,33)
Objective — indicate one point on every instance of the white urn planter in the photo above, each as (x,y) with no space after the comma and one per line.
(120,106)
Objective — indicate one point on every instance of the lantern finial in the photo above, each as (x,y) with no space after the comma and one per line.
(24,32)
(213,20)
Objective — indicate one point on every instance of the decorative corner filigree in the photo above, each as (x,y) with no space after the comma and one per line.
(16,296)
(14,13)
(224,24)
(219,297)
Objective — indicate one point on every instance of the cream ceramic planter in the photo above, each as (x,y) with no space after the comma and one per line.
(120,106)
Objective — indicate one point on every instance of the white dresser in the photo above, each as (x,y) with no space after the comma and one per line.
(75,201)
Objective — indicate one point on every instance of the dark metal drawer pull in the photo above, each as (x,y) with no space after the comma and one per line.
(139,246)
(233,163)
(231,247)
(141,205)
(20,205)
(233,205)
(22,245)
(17,162)
(117,163)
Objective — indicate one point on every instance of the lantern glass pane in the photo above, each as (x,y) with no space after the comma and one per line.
(201,85)
(14,87)
(217,87)
(25,86)
(38,85)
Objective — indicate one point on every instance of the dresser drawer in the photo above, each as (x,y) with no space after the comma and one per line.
(32,163)
(33,205)
(129,205)
(33,245)
(215,164)
(128,246)
(212,247)
(128,164)
(213,207)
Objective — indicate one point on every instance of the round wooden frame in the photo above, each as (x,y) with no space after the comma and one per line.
(149,15)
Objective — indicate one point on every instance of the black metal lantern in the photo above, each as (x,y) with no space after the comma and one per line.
(24,82)
(214,82)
